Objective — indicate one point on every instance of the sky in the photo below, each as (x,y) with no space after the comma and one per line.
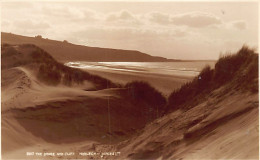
(179,30)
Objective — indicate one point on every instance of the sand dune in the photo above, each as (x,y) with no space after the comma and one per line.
(50,115)
(219,123)
(211,130)
(58,114)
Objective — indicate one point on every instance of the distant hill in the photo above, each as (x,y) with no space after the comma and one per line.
(64,51)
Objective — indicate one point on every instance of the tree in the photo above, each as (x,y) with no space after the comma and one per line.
(38,36)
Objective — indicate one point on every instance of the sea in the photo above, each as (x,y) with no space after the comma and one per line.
(190,68)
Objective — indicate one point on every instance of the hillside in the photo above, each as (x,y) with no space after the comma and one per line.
(215,116)
(64,51)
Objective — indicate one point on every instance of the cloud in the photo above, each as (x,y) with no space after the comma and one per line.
(122,15)
(91,15)
(241,25)
(114,33)
(128,33)
(196,19)
(130,27)
(192,19)
(28,24)
(148,40)
(159,18)
(63,12)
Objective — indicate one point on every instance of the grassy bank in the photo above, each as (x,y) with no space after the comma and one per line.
(238,71)
(48,70)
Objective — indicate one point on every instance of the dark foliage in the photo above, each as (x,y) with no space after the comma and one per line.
(143,94)
(143,91)
(9,51)
(49,74)
(227,65)
(205,77)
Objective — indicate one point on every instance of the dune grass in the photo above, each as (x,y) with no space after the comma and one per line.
(48,69)
(140,90)
(239,70)
(142,94)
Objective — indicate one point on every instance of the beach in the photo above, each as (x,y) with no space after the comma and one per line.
(164,76)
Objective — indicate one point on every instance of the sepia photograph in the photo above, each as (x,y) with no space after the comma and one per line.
(129,79)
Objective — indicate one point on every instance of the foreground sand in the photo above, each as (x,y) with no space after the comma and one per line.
(220,128)
(37,118)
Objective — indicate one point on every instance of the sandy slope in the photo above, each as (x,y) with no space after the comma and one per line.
(38,117)
(19,90)
(223,128)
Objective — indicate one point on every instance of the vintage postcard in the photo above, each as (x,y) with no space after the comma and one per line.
(118,79)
